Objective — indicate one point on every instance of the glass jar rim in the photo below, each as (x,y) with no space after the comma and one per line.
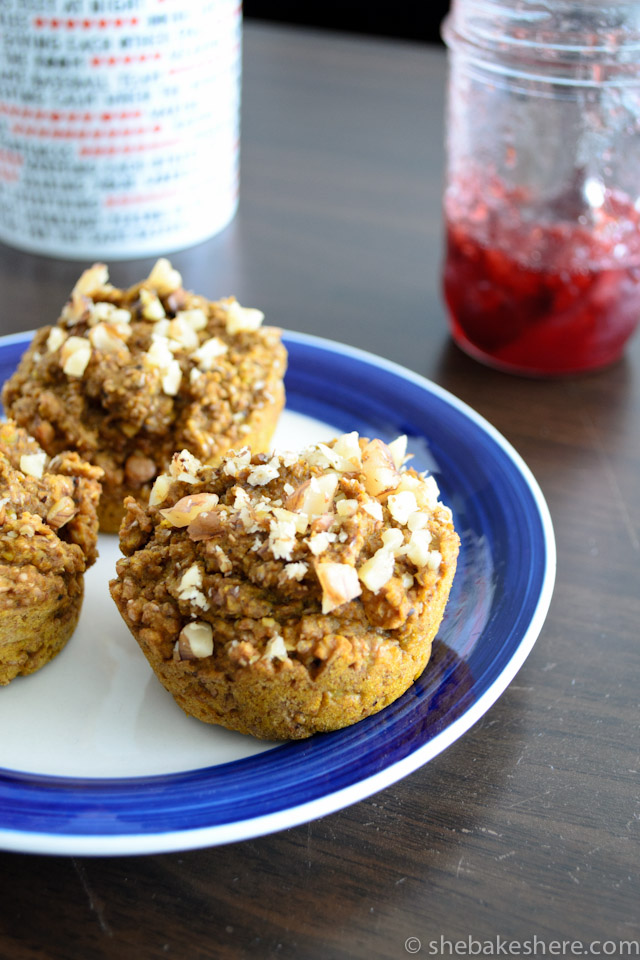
(535,38)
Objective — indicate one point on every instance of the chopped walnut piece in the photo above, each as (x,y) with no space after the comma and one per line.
(160,490)
(378,570)
(241,319)
(152,308)
(314,496)
(339,582)
(379,469)
(208,351)
(295,571)
(109,338)
(348,446)
(196,318)
(33,464)
(171,379)
(275,649)
(61,512)
(206,525)
(75,354)
(164,278)
(108,312)
(188,508)
(195,641)
(419,547)
(55,339)
(91,280)
(184,466)
(398,450)
(402,505)
(263,473)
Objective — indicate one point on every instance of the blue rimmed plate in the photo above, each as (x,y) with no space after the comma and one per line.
(102,762)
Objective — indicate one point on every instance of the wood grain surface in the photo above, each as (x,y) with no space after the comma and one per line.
(527,826)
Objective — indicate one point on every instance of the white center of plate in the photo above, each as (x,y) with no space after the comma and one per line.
(97,709)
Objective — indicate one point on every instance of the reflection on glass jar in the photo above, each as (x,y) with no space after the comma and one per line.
(542,203)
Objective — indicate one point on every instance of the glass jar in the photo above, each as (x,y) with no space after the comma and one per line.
(542,199)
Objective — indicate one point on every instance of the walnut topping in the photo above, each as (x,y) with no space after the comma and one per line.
(196,318)
(188,508)
(373,508)
(348,447)
(108,312)
(109,337)
(172,379)
(75,354)
(417,520)
(264,472)
(295,571)
(393,540)
(339,582)
(419,547)
(398,450)
(327,455)
(189,587)
(402,505)
(208,351)
(163,278)
(61,512)
(275,649)
(237,461)
(183,334)
(76,310)
(319,543)
(160,490)
(151,305)
(315,496)
(241,319)
(224,563)
(55,339)
(91,280)
(378,570)
(195,641)
(33,464)
(379,469)
(184,466)
(346,508)
(282,538)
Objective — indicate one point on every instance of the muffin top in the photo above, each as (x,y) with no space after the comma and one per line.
(343,531)
(144,371)
(48,519)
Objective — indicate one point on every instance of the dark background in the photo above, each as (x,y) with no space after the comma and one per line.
(411,21)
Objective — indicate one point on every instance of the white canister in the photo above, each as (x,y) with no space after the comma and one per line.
(119,124)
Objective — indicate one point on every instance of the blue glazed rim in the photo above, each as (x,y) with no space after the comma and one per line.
(497,607)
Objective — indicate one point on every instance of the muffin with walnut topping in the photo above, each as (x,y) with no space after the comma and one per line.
(48,534)
(285,594)
(126,377)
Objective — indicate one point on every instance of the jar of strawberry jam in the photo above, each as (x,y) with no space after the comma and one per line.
(542,199)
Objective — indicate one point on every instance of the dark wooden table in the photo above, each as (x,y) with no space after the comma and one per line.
(527,826)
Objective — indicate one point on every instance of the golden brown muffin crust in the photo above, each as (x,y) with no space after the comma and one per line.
(48,537)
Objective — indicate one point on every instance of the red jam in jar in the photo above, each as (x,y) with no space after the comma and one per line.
(542,299)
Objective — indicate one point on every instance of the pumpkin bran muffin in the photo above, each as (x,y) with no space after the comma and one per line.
(126,377)
(48,535)
(285,594)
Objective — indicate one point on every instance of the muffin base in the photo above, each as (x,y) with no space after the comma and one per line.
(33,634)
(365,669)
